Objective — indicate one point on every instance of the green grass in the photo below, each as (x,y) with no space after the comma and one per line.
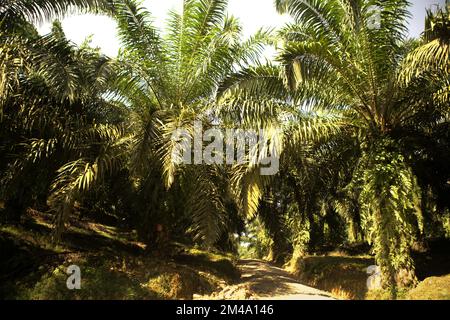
(99,281)
(105,277)
(218,264)
(113,265)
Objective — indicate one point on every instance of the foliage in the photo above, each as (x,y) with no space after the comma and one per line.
(334,45)
(389,198)
(51,124)
(174,87)
(355,111)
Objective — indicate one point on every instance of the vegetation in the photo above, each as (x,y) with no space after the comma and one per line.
(113,264)
(356,112)
(434,288)
(345,277)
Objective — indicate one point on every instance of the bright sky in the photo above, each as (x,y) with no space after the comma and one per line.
(253,14)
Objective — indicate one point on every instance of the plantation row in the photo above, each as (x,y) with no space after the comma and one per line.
(360,113)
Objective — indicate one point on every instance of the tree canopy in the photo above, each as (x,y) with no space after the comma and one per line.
(356,112)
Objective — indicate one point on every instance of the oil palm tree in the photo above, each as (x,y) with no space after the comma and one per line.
(348,65)
(44,94)
(165,82)
(16,14)
(17,30)
(56,120)
(353,55)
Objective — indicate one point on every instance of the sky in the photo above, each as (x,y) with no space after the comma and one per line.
(253,14)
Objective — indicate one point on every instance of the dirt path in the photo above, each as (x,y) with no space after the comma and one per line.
(261,280)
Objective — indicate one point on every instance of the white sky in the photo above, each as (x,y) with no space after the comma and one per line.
(253,14)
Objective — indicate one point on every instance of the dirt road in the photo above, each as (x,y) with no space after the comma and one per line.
(263,281)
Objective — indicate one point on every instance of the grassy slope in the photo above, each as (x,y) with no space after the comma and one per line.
(345,275)
(433,288)
(113,265)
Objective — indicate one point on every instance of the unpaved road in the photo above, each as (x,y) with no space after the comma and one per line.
(263,281)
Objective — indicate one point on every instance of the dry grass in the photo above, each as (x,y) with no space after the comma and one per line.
(433,288)
(343,276)
(342,294)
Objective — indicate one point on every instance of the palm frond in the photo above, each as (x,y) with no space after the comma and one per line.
(44,10)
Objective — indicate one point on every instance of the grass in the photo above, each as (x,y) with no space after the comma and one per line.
(113,265)
(343,276)
(217,264)
(433,288)
(99,281)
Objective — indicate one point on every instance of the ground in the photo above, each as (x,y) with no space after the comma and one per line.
(114,265)
(433,288)
(261,280)
(344,276)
